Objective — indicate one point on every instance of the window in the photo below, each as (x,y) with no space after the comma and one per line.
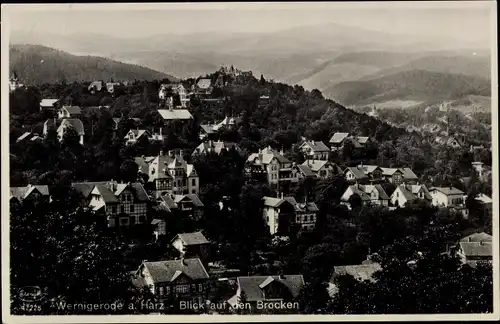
(167,290)
(131,208)
(182,288)
(142,219)
(160,290)
(111,222)
(122,209)
(193,288)
(306,218)
(200,287)
(124,221)
(193,182)
(113,209)
(397,194)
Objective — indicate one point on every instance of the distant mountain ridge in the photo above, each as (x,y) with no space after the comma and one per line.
(418,85)
(37,64)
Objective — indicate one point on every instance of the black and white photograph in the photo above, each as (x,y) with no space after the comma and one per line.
(248,161)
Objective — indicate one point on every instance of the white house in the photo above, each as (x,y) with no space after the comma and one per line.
(409,193)
(369,194)
(447,196)
(315,150)
(69,112)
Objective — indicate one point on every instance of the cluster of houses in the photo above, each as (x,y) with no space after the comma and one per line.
(171,186)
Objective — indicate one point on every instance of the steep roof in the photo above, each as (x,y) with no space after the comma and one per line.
(470,249)
(273,202)
(209,129)
(204,83)
(194,238)
(484,199)
(302,207)
(72,122)
(175,114)
(191,197)
(478,237)
(408,174)
(138,132)
(357,190)
(22,192)
(316,146)
(448,190)
(369,168)
(216,147)
(369,188)
(315,165)
(108,193)
(266,155)
(73,110)
(253,286)
(408,194)
(390,171)
(168,271)
(337,138)
(306,170)
(357,172)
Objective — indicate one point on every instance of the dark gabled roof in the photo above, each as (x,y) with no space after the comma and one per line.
(358,172)
(253,286)
(317,146)
(166,203)
(85,188)
(195,238)
(302,207)
(192,197)
(407,193)
(408,174)
(22,192)
(168,271)
(140,192)
(108,195)
(306,170)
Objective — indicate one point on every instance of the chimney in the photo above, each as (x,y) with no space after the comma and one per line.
(281,195)
(171,153)
(161,153)
(181,153)
(160,130)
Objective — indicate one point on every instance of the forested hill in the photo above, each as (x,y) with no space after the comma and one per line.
(418,85)
(36,64)
(290,114)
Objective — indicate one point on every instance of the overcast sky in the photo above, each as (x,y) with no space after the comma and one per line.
(467,21)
